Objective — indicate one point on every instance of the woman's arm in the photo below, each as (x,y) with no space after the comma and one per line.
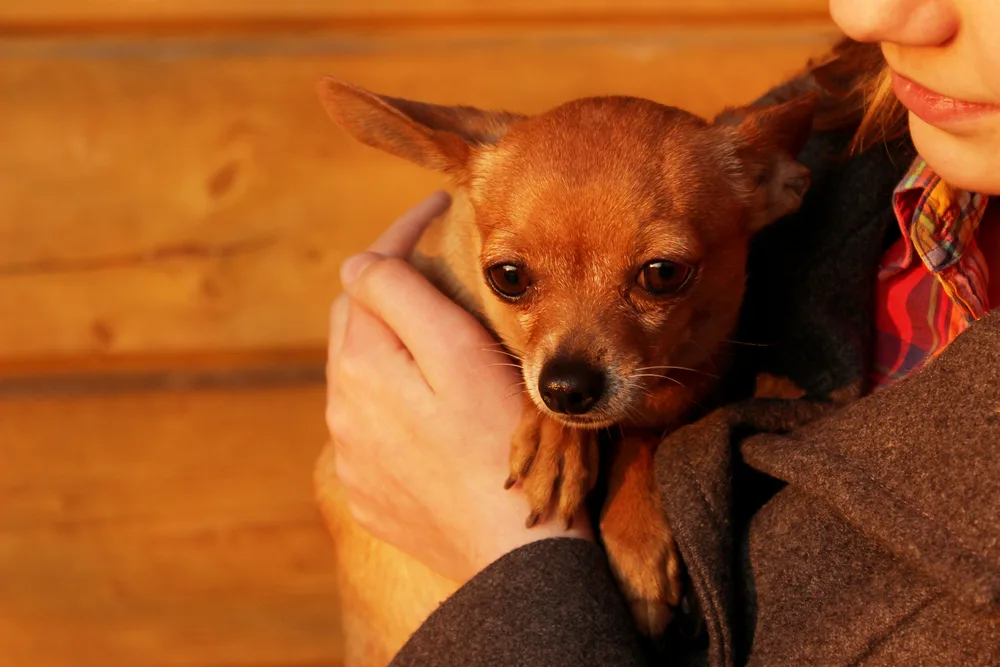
(552,602)
(421,421)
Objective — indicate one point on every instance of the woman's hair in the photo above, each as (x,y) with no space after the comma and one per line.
(857,74)
(854,87)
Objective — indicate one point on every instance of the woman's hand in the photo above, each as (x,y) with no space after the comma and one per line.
(421,408)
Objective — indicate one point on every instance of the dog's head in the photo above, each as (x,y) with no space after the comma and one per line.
(612,232)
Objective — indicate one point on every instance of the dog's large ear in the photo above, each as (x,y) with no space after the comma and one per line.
(432,136)
(768,141)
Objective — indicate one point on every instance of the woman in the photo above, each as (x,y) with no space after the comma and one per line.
(868,537)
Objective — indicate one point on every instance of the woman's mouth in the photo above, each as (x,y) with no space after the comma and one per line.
(934,108)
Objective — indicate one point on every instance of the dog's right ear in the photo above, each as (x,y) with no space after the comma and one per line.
(432,136)
(769,141)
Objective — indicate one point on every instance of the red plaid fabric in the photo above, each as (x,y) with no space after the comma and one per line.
(932,282)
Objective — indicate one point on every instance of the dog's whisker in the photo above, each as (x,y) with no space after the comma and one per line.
(690,393)
(675,381)
(517,383)
(633,415)
(706,354)
(740,342)
(670,368)
(659,377)
(516,393)
(677,368)
(503,352)
(496,365)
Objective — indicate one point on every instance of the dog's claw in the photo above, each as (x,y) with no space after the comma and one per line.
(554,465)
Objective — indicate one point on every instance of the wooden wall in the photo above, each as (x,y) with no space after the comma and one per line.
(174,206)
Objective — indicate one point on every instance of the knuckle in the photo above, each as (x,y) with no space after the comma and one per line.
(338,419)
(382,274)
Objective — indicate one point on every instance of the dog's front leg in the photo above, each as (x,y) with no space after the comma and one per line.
(639,542)
(555,464)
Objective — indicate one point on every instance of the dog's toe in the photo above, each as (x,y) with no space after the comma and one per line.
(651,616)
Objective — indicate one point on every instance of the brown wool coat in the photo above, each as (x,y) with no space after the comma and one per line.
(812,534)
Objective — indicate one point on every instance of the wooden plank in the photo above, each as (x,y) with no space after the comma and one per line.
(170,196)
(164,529)
(54,13)
(145,372)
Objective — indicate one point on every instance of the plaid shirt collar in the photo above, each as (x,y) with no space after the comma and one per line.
(939,220)
(922,306)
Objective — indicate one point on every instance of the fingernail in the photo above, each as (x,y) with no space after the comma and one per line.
(338,322)
(354,265)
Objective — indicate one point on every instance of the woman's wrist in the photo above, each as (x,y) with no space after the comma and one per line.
(507,532)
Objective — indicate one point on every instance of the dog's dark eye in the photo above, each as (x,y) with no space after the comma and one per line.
(661,276)
(507,280)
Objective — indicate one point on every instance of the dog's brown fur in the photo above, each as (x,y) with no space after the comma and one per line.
(580,199)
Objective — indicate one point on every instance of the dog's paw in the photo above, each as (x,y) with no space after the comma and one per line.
(647,566)
(556,465)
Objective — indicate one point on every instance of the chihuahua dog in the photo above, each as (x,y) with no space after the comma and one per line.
(604,243)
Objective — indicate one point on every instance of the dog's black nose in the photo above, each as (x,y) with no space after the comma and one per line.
(570,387)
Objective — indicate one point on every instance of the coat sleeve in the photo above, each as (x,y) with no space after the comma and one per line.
(552,603)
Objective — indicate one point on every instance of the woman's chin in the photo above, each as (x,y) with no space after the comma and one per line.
(970,161)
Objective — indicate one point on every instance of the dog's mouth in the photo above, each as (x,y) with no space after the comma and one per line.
(593,422)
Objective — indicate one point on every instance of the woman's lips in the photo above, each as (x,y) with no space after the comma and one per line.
(934,108)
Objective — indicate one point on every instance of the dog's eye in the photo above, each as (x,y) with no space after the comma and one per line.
(507,280)
(661,276)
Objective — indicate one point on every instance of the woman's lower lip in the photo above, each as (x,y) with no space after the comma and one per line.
(934,108)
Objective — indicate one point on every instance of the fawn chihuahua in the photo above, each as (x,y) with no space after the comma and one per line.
(604,242)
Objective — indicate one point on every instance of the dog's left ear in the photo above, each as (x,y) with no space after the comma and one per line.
(768,141)
(433,136)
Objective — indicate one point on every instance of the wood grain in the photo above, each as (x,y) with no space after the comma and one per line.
(259,367)
(52,13)
(164,529)
(181,195)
